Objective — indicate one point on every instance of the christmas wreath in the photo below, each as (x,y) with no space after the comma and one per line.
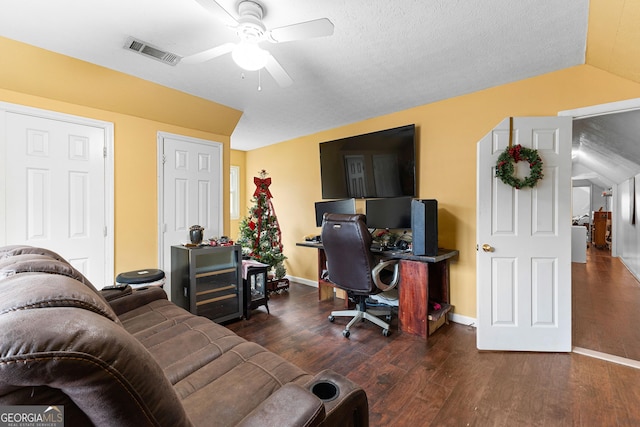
(512,155)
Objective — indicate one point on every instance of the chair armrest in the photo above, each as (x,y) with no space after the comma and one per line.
(129,300)
(290,405)
(377,270)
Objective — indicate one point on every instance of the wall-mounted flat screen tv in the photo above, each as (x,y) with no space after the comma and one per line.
(375,165)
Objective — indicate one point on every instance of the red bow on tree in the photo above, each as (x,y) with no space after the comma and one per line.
(262,186)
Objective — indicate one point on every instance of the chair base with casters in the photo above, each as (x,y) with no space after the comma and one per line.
(353,268)
(361,314)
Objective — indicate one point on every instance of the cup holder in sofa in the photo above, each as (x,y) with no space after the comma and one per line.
(325,390)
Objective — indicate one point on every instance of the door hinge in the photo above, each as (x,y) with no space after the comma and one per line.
(104,152)
(105,231)
(164,159)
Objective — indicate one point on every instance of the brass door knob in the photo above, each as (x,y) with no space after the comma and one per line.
(487,247)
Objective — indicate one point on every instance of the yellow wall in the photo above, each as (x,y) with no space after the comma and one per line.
(139,109)
(239,158)
(613,39)
(447,135)
(34,71)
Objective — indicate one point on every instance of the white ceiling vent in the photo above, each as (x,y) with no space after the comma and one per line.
(144,48)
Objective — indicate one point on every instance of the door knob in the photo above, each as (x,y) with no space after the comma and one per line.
(487,247)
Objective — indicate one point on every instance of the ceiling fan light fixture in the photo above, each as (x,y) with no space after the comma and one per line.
(249,56)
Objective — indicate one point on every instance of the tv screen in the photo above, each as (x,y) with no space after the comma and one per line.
(389,213)
(378,164)
(347,206)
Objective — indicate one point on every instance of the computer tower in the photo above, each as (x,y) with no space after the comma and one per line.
(424,226)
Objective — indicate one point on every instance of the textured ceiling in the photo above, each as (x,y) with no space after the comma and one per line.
(384,56)
(606,148)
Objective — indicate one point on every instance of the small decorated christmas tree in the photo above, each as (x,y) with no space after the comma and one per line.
(260,235)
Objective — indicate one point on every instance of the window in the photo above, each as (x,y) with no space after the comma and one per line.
(235,192)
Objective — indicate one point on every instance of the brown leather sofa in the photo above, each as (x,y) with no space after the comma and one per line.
(132,358)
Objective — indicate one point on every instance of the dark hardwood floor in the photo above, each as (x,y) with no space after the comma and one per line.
(606,306)
(445,381)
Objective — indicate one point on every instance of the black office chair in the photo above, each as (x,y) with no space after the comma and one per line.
(352,267)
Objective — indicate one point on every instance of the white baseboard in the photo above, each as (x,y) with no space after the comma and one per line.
(608,357)
(463,320)
(303,281)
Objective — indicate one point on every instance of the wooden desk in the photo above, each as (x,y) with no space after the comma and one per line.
(422,278)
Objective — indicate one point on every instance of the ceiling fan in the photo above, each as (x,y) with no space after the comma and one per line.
(250,29)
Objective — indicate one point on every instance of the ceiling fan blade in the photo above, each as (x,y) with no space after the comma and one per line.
(304,30)
(218,11)
(277,72)
(208,54)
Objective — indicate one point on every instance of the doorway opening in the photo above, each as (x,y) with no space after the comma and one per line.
(611,190)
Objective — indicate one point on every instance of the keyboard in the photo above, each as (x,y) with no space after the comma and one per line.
(396,249)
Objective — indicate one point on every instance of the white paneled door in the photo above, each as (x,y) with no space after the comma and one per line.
(55,190)
(524,242)
(191,192)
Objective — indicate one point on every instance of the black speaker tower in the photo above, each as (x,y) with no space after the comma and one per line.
(424,226)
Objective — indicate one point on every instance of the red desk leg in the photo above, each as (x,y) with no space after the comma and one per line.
(420,281)
(413,298)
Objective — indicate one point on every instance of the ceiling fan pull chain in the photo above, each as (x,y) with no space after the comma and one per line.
(259,81)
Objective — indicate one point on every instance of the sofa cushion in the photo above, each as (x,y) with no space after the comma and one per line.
(308,410)
(240,379)
(13,250)
(38,290)
(203,359)
(84,361)
(36,277)
(16,259)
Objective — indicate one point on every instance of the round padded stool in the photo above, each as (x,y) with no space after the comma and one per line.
(141,278)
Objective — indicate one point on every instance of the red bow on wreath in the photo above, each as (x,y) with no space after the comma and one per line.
(262,186)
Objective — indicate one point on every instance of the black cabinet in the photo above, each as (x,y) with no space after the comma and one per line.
(255,286)
(207,281)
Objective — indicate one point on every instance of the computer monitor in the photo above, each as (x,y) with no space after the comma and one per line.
(389,213)
(343,206)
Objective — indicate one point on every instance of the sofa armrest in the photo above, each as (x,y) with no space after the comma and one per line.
(348,406)
(122,301)
(290,405)
(112,293)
